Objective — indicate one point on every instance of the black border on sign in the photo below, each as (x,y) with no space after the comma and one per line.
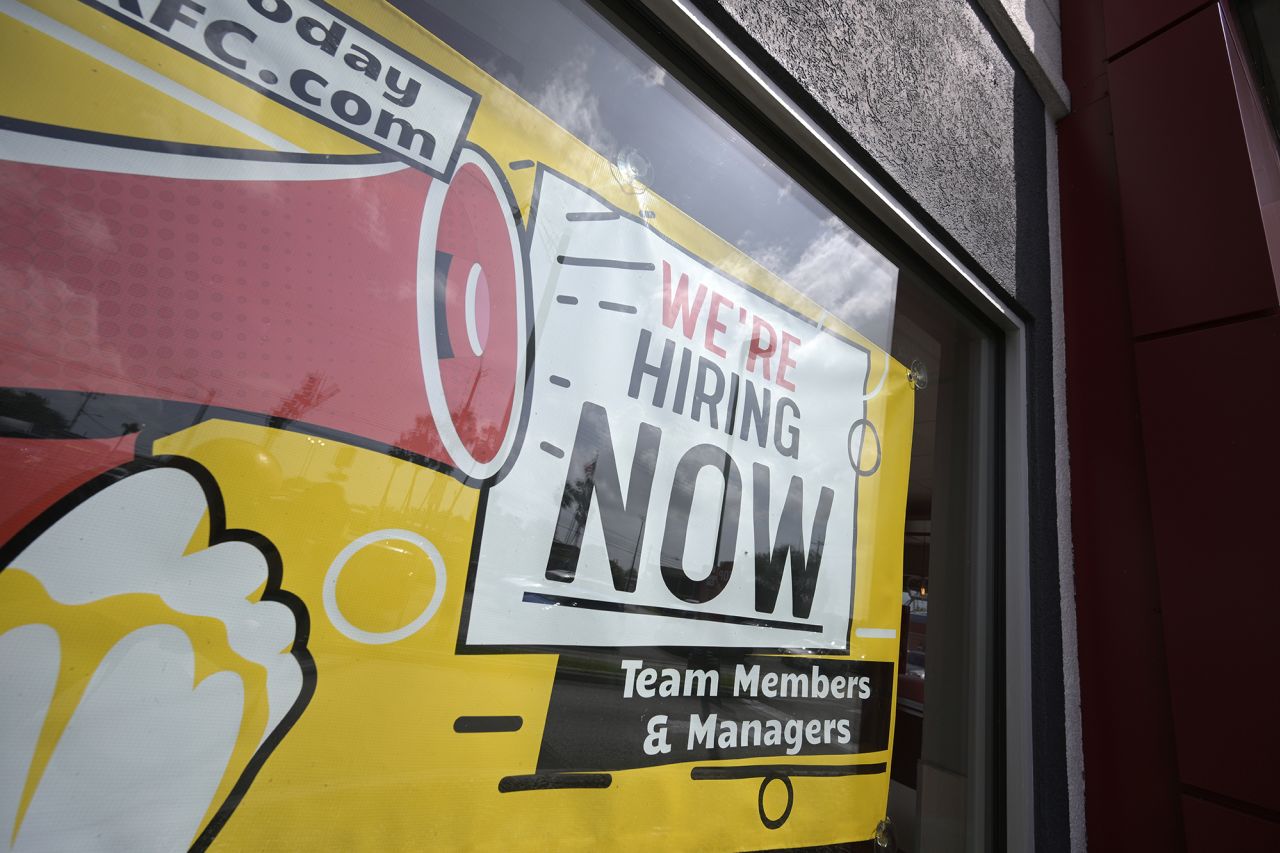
(301,109)
(526,238)
(218,533)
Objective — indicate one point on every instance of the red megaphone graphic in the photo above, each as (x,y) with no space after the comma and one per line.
(356,297)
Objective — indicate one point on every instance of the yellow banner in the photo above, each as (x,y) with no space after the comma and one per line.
(390,470)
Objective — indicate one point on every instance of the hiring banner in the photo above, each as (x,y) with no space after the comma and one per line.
(388,469)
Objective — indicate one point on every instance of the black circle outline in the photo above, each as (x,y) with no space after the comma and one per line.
(769,822)
(879,447)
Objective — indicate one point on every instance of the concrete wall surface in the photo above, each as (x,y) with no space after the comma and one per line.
(926,89)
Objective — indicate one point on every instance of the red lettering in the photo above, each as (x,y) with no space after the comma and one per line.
(677,304)
(786,361)
(714,325)
(765,353)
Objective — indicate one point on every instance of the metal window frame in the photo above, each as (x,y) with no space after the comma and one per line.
(699,35)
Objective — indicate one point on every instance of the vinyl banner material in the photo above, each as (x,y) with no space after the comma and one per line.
(388,469)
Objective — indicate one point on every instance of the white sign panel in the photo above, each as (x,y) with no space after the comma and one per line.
(313,59)
(685,477)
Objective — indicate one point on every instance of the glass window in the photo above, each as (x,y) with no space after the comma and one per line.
(947,748)
(596,82)
(569,62)
(466,423)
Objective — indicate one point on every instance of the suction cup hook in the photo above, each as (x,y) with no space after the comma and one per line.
(885,839)
(632,171)
(918,375)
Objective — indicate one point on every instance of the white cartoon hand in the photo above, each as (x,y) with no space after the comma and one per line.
(134,755)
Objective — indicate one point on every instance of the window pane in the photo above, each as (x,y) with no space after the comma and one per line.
(443,422)
(571,64)
(941,796)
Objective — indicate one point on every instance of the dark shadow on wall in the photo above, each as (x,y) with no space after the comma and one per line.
(1052,816)
(1035,305)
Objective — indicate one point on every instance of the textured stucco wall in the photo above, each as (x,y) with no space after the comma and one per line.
(925,89)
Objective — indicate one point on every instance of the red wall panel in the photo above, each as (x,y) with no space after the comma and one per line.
(1210,409)
(1195,247)
(1084,66)
(1126,716)
(1173,350)
(1212,828)
(1130,21)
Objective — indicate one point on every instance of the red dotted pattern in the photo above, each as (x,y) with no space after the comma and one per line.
(48,470)
(288,298)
